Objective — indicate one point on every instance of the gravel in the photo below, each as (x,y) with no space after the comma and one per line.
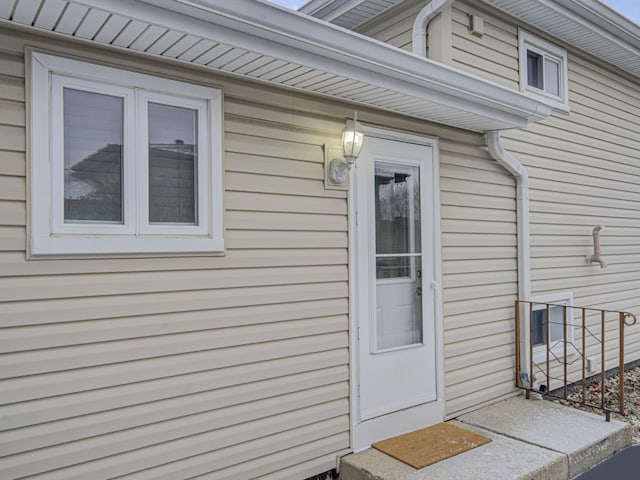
(612,398)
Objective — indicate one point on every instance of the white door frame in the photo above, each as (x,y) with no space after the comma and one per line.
(363,434)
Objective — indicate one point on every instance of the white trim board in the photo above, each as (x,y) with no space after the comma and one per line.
(363,433)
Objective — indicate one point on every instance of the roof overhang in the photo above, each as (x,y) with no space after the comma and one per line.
(263,42)
(347,13)
(589,25)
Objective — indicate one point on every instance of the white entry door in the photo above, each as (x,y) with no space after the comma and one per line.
(396,283)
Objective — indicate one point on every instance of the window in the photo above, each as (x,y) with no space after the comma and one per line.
(548,329)
(543,70)
(122,162)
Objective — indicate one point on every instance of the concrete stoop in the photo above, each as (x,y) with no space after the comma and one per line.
(532,440)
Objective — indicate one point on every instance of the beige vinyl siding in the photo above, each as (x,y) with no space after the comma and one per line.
(493,56)
(480,275)
(584,170)
(171,367)
(177,367)
(395,26)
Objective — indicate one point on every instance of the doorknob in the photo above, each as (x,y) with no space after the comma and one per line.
(419,291)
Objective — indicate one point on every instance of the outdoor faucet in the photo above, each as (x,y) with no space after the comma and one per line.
(597,251)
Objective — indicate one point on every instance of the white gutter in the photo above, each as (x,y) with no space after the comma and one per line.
(262,28)
(421,24)
(519,172)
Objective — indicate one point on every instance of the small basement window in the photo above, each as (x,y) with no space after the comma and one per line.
(543,70)
(122,162)
(548,326)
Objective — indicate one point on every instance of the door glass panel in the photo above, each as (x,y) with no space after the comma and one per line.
(397,203)
(93,137)
(398,256)
(393,267)
(173,147)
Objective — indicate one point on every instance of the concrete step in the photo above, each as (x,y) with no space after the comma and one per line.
(532,439)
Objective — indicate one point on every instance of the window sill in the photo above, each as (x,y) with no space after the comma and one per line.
(552,102)
(86,245)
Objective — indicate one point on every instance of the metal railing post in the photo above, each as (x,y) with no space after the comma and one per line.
(602,359)
(584,355)
(624,319)
(518,382)
(621,372)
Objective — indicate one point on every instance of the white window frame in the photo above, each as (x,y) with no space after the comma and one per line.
(557,346)
(49,234)
(530,42)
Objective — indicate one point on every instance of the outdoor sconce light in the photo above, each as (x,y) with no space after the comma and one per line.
(352,140)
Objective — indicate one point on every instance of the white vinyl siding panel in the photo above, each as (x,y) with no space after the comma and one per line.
(479,276)
(179,366)
(494,56)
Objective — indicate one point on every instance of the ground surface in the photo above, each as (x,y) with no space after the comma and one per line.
(622,466)
(632,398)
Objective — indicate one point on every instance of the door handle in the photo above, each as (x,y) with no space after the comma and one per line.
(419,291)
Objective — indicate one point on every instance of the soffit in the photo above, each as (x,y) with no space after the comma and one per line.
(261,42)
(347,13)
(586,24)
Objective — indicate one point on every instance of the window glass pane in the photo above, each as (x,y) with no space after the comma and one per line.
(399,309)
(93,126)
(534,70)
(394,267)
(552,77)
(397,204)
(556,325)
(173,147)
(398,258)
(539,327)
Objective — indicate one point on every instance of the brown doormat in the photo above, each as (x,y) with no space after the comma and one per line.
(430,445)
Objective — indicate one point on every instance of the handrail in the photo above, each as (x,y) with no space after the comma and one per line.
(526,380)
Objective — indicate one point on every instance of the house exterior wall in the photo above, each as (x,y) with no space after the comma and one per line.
(176,366)
(479,275)
(494,56)
(235,363)
(395,26)
(583,169)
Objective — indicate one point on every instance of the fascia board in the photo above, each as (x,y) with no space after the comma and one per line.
(598,20)
(608,19)
(301,39)
(594,16)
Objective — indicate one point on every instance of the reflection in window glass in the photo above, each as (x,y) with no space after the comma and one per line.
(173,147)
(556,327)
(93,136)
(552,77)
(397,204)
(534,70)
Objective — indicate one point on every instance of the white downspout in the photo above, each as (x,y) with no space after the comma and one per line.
(421,23)
(518,171)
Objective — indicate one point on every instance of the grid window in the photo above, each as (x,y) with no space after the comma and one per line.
(121,163)
(543,70)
